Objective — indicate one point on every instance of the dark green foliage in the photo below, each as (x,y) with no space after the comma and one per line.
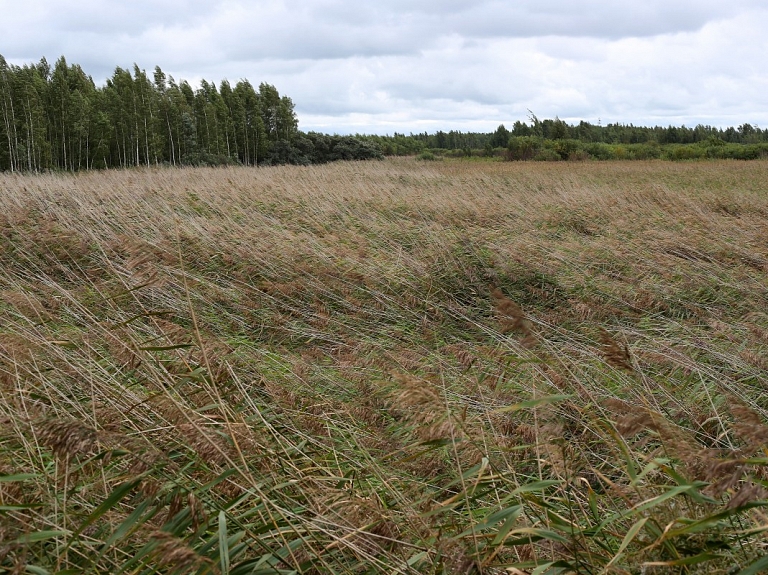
(500,137)
(686,152)
(738,151)
(547,155)
(566,148)
(57,119)
(555,140)
(427,156)
(314,148)
(600,151)
(523,147)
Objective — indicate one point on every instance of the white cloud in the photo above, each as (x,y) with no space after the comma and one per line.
(436,64)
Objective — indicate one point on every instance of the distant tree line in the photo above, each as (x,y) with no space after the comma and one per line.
(557,140)
(57,118)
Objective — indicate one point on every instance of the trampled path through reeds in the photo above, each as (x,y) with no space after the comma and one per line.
(387,367)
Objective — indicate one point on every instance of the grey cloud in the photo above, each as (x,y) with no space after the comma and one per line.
(435,64)
(124,17)
(395,26)
(446,90)
(305,40)
(334,29)
(596,19)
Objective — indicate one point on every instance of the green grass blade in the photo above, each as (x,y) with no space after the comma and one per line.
(759,566)
(631,534)
(41,536)
(18,477)
(114,498)
(223,543)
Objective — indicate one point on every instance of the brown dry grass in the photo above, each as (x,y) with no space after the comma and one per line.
(309,364)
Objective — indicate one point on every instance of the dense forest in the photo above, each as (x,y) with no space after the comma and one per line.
(557,140)
(57,118)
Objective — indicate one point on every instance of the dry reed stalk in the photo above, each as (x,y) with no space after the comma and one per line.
(424,407)
(615,353)
(758,360)
(67,438)
(751,492)
(147,455)
(173,554)
(252,226)
(757,330)
(676,441)
(511,317)
(725,475)
(26,304)
(365,523)
(464,355)
(749,426)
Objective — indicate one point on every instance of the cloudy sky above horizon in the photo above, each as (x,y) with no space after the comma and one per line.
(405,66)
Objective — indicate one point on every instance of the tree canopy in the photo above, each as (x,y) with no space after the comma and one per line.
(57,118)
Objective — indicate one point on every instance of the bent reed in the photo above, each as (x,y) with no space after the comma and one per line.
(385,367)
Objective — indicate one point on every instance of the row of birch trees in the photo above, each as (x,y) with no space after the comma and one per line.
(55,117)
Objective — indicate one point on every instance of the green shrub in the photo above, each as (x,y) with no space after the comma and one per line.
(565,148)
(457,153)
(523,148)
(427,156)
(647,151)
(687,152)
(738,151)
(600,151)
(579,156)
(547,155)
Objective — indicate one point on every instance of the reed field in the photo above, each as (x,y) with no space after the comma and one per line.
(386,367)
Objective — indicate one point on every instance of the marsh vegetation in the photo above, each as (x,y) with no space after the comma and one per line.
(385,367)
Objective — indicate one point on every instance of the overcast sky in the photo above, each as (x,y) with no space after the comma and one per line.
(414,65)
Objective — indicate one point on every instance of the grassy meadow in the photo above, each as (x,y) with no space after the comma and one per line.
(386,367)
